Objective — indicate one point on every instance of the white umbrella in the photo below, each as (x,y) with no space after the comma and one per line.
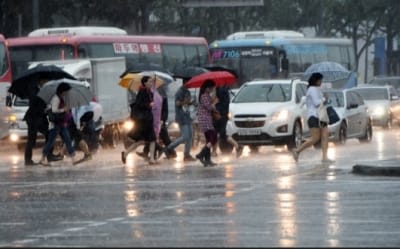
(78,95)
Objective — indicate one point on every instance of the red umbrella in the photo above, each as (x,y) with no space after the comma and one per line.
(221,78)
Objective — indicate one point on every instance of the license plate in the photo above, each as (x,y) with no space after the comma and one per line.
(249,132)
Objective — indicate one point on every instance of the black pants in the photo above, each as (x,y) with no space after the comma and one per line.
(34,126)
(164,136)
(220,126)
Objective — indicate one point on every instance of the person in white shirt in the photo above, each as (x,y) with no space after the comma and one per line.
(318,129)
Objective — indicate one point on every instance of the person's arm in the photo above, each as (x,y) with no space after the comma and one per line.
(207,103)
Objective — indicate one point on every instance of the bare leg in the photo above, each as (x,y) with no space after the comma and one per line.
(324,142)
(133,147)
(315,136)
(232,141)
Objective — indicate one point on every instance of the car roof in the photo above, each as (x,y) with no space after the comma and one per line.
(273,81)
(372,86)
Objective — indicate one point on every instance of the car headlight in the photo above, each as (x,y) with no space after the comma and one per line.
(379,111)
(282,115)
(229,115)
(128,125)
(12,118)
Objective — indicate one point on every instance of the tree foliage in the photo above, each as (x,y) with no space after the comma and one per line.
(355,19)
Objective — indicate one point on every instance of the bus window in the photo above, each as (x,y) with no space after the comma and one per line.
(3,61)
(97,50)
(203,54)
(191,55)
(174,57)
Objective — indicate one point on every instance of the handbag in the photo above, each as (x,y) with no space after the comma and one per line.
(332,115)
(56,117)
(323,113)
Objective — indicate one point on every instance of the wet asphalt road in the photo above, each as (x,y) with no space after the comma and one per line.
(261,200)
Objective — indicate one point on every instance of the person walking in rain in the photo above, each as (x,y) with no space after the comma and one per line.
(183,101)
(318,129)
(204,116)
(163,131)
(143,117)
(223,96)
(59,126)
(36,120)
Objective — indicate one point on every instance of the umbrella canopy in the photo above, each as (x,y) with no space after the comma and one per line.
(26,84)
(133,81)
(78,95)
(331,71)
(140,67)
(221,78)
(189,72)
(214,67)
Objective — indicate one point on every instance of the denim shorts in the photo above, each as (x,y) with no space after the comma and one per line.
(313,122)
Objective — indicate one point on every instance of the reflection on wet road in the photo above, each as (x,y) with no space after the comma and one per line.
(259,200)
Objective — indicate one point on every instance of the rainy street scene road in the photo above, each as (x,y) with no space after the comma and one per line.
(259,200)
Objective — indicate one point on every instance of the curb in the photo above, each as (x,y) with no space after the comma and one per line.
(376,170)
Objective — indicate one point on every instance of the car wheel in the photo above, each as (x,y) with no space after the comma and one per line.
(368,134)
(342,136)
(297,136)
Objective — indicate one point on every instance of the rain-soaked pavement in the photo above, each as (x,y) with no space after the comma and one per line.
(261,200)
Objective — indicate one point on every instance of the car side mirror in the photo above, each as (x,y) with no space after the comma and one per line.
(8,100)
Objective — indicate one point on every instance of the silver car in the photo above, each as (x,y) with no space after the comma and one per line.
(355,120)
(383,103)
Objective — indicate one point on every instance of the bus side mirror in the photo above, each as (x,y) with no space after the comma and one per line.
(8,101)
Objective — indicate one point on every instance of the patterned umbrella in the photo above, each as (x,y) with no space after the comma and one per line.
(331,71)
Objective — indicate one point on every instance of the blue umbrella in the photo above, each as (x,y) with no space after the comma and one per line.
(331,71)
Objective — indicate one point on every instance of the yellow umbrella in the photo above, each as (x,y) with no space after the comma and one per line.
(133,81)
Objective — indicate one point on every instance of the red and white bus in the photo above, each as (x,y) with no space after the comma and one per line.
(5,81)
(171,52)
(5,65)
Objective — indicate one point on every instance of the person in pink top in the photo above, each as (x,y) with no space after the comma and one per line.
(204,117)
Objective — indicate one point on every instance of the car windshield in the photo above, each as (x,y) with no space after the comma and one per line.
(21,102)
(373,93)
(270,92)
(336,99)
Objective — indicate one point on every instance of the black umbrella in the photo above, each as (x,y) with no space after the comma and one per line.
(26,85)
(140,67)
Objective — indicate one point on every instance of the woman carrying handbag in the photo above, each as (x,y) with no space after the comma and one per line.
(318,128)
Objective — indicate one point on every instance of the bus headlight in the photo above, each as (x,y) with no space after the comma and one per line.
(128,125)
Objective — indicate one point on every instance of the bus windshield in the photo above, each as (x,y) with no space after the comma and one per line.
(21,56)
(250,62)
(279,56)
(3,59)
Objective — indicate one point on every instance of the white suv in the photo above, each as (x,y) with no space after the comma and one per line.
(269,112)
